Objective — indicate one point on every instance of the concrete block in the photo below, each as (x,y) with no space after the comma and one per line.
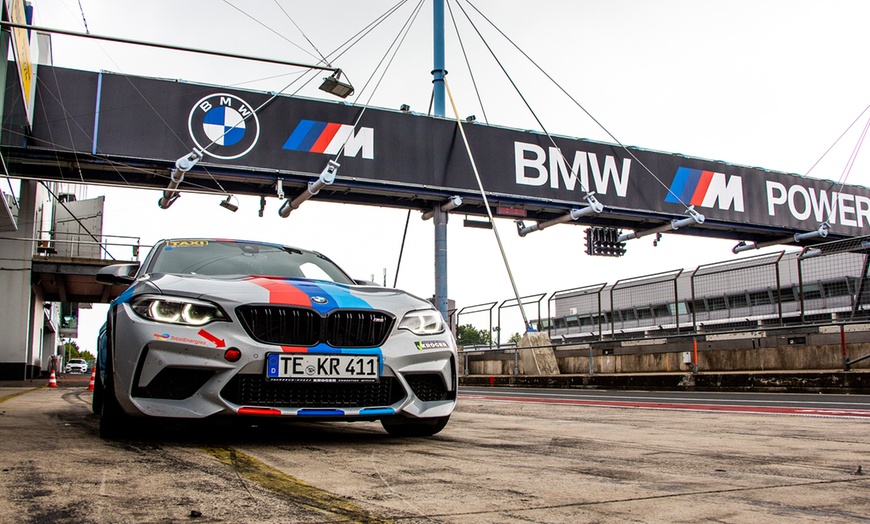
(537,354)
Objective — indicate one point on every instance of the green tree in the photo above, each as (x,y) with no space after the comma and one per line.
(468,335)
(71,350)
(515,338)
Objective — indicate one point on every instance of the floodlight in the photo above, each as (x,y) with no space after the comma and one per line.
(477,223)
(333,85)
(226,204)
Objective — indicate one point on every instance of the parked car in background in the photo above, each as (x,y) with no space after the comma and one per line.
(215,327)
(76,365)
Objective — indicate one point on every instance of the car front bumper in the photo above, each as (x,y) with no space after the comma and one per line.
(164,370)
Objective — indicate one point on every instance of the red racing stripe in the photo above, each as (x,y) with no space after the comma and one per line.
(701,189)
(325,138)
(282,292)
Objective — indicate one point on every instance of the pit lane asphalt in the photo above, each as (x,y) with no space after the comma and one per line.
(495,462)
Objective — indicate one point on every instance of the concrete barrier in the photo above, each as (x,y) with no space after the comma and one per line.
(830,382)
(536,354)
(781,353)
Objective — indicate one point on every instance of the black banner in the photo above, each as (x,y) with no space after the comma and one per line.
(120,116)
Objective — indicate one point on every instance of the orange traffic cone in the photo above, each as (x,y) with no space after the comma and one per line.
(93,379)
(52,381)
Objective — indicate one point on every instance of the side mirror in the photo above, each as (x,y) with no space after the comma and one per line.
(117,274)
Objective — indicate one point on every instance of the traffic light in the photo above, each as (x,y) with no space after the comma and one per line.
(604,242)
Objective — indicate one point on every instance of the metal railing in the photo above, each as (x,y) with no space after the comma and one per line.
(81,245)
(824,284)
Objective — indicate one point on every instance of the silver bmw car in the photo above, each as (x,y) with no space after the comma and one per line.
(212,327)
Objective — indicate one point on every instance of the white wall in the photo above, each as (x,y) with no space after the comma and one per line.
(22,316)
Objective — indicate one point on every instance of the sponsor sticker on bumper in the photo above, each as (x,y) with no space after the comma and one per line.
(431,344)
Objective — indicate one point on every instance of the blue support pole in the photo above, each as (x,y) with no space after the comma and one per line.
(438,71)
(440,217)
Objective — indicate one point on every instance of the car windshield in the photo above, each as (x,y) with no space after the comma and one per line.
(222,258)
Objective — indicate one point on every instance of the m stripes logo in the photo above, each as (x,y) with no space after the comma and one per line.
(700,188)
(328,138)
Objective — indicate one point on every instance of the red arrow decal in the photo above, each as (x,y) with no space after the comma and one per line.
(218,342)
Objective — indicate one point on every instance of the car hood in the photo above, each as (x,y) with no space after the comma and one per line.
(319,295)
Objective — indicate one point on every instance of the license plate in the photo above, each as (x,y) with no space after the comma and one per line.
(305,367)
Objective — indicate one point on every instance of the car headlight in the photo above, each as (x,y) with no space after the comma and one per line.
(423,322)
(177,310)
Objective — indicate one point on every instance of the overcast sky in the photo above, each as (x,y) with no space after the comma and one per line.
(771,84)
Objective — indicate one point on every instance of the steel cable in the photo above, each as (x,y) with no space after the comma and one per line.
(486,206)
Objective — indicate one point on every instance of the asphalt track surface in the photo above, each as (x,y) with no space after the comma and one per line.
(519,460)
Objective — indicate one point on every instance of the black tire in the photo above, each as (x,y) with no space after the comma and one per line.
(408,427)
(114,423)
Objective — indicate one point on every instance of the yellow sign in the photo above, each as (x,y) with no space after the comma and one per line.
(21,46)
(187,243)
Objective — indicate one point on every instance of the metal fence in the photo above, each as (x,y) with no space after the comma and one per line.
(642,304)
(827,283)
(834,280)
(739,294)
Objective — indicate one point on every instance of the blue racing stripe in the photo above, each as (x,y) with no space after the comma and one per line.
(336,297)
(320,413)
(677,185)
(691,184)
(125,296)
(324,349)
(377,411)
(312,136)
(298,135)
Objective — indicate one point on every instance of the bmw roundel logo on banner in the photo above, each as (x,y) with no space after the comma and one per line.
(223,126)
